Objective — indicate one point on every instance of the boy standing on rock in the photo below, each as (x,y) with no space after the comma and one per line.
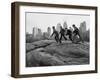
(69,33)
(62,34)
(56,34)
(76,32)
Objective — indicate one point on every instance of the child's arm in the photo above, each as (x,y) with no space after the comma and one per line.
(52,34)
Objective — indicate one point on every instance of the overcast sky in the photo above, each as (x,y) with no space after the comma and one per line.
(43,21)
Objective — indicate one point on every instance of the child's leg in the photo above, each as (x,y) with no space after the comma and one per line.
(70,37)
(64,37)
(60,37)
(56,39)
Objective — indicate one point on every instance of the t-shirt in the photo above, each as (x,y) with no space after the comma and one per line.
(55,33)
(62,31)
(76,31)
(69,32)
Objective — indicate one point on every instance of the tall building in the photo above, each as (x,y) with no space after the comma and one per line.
(82,27)
(49,31)
(45,35)
(39,32)
(35,31)
(65,25)
(58,27)
(83,30)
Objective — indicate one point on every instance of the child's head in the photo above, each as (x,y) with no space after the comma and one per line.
(74,26)
(53,27)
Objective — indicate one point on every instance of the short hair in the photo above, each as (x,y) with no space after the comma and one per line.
(53,27)
(73,25)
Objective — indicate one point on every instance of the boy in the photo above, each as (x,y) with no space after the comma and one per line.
(76,32)
(62,34)
(56,34)
(69,33)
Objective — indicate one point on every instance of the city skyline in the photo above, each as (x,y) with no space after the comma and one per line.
(43,21)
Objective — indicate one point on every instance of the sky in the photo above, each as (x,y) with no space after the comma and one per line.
(44,20)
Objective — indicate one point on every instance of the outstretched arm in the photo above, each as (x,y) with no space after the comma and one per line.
(52,34)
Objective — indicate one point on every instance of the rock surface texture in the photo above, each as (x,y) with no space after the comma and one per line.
(49,53)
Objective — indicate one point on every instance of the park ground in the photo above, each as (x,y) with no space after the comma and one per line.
(50,53)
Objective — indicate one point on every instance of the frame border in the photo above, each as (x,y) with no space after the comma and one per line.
(15,38)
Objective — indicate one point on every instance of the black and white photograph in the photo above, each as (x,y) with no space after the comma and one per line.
(57,39)
(52,39)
